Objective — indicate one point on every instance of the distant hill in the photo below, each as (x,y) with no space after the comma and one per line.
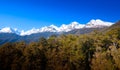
(116,25)
(12,37)
(8,37)
(83,31)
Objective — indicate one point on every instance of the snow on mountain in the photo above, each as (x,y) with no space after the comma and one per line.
(63,28)
(69,27)
(6,30)
(29,32)
(97,24)
(51,28)
(15,30)
(9,30)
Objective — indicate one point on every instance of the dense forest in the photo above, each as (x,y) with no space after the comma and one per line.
(93,51)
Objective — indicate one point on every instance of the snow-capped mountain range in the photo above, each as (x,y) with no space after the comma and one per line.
(63,28)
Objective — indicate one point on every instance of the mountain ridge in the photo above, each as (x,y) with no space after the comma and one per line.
(63,28)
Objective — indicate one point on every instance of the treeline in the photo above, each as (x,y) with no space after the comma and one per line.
(94,51)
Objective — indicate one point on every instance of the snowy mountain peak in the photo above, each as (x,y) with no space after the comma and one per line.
(50,28)
(97,24)
(74,23)
(29,32)
(7,30)
(69,27)
(53,26)
(77,25)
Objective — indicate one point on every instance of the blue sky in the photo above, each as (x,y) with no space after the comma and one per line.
(26,14)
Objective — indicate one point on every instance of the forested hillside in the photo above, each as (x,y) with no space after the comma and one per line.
(94,51)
